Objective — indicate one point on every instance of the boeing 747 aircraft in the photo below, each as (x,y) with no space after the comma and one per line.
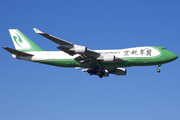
(94,62)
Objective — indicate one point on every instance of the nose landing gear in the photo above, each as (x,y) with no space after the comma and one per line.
(158,70)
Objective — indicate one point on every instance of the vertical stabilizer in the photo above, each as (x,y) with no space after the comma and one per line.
(22,42)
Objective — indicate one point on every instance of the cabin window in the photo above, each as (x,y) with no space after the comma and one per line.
(163,48)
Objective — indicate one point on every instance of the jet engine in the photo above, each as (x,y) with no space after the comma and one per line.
(119,71)
(79,49)
(109,58)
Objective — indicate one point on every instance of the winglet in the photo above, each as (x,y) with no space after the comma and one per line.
(37,31)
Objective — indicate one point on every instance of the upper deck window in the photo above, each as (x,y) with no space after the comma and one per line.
(163,48)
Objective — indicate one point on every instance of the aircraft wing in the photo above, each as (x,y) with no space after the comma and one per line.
(86,57)
(52,38)
(67,47)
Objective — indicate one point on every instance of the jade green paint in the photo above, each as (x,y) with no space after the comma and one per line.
(34,47)
(19,39)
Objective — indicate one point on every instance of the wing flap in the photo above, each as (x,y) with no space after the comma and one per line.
(66,50)
(84,60)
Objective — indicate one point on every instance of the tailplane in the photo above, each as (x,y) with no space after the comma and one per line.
(22,42)
(17,52)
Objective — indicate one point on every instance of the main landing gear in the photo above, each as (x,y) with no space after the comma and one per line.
(97,71)
(101,74)
(93,71)
(158,70)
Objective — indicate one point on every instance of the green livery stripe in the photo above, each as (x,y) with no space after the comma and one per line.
(19,39)
(34,47)
(129,62)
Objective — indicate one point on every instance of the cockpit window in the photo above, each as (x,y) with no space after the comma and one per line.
(163,48)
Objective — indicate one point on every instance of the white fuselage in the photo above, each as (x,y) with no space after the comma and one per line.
(136,52)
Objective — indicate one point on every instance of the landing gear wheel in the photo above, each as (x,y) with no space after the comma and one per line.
(100,76)
(158,70)
(90,72)
(93,71)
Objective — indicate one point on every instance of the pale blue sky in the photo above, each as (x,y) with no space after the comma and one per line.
(32,91)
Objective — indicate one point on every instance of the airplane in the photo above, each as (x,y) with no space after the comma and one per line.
(94,62)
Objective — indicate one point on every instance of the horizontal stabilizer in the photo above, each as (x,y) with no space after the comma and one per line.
(16,52)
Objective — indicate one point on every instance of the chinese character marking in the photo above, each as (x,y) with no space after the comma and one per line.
(134,52)
(126,52)
(148,52)
(142,52)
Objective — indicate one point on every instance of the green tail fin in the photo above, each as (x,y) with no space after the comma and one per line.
(22,42)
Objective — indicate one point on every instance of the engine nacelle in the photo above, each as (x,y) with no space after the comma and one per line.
(79,49)
(109,58)
(119,71)
(106,74)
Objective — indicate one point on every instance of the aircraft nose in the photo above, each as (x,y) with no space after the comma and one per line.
(175,56)
(172,56)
